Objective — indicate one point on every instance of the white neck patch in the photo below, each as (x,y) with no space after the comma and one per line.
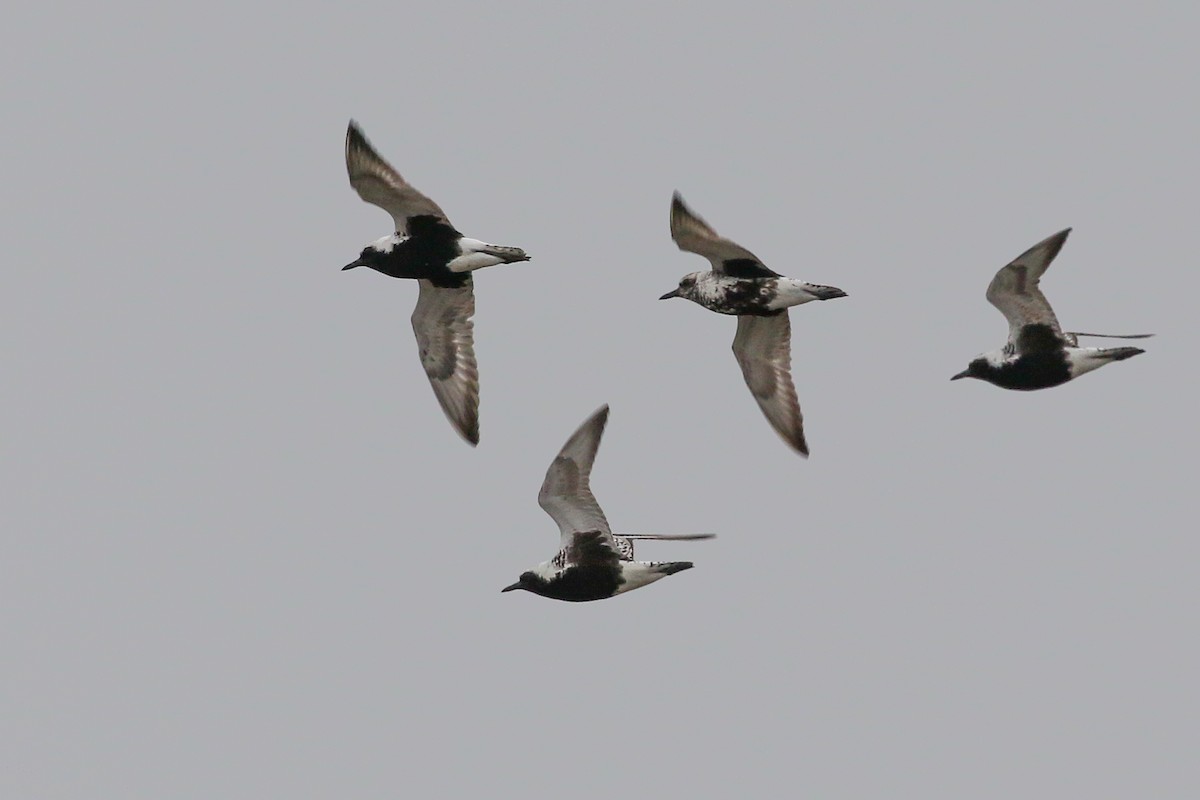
(387,243)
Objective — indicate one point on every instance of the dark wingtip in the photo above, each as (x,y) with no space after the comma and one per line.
(671,567)
(1057,241)
(601,415)
(677,204)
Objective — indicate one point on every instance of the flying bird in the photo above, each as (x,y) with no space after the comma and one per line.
(740,284)
(591,563)
(1038,354)
(427,247)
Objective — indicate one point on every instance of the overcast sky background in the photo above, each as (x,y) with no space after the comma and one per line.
(245,556)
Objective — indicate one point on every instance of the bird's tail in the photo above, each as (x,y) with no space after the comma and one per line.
(1118,353)
(506,254)
(670,567)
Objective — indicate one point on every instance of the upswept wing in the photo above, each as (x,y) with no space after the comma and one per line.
(377,182)
(566,493)
(694,235)
(763,347)
(1016,293)
(442,324)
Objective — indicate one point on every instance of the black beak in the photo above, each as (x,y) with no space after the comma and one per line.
(516,585)
(670,294)
(966,373)
(353,264)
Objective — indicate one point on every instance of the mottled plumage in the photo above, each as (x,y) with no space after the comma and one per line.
(740,284)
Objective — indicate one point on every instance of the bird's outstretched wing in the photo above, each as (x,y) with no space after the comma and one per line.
(763,347)
(566,493)
(377,182)
(1016,293)
(694,235)
(442,324)
(625,540)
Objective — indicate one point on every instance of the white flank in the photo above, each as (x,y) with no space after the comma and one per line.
(790,293)
(637,574)
(1085,359)
(473,261)
(475,255)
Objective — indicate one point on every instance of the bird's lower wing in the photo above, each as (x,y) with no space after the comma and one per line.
(445,341)
(763,347)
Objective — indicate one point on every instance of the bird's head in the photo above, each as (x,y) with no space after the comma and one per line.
(527,581)
(976,369)
(687,287)
(371,254)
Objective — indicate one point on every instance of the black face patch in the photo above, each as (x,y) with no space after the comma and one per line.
(747,268)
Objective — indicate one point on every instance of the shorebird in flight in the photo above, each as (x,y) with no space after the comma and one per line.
(1038,354)
(740,284)
(591,563)
(425,246)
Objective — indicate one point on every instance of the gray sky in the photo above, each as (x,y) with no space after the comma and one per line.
(247,557)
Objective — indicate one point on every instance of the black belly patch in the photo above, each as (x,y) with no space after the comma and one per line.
(746,297)
(580,584)
(1032,371)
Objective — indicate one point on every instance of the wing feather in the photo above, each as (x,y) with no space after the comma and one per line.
(566,493)
(378,183)
(763,347)
(693,235)
(1015,290)
(444,331)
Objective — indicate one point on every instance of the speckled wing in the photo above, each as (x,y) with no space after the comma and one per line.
(694,235)
(377,182)
(1016,293)
(763,347)
(442,324)
(566,493)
